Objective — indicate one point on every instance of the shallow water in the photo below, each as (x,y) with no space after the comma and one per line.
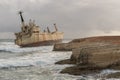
(36,63)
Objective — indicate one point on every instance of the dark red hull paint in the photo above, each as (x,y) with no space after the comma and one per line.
(43,43)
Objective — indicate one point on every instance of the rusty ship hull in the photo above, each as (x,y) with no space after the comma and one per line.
(32,36)
(42,43)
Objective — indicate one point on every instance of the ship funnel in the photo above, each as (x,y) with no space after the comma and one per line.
(48,29)
(22,20)
(55,27)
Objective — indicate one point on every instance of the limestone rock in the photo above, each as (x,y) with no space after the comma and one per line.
(102,56)
(90,41)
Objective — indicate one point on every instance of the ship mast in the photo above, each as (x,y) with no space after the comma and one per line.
(22,20)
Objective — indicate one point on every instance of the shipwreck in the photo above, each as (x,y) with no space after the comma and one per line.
(32,36)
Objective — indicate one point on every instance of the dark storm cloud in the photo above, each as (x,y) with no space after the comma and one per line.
(77,18)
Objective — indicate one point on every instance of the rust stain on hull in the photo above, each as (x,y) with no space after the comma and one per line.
(43,43)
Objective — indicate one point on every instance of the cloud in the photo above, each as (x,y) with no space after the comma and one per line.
(79,18)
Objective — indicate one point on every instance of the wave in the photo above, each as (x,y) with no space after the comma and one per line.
(14,56)
(11,47)
(35,59)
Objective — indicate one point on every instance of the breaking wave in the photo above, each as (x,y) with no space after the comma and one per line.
(33,56)
(11,47)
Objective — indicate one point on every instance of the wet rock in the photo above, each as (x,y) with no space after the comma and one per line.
(62,47)
(81,70)
(67,61)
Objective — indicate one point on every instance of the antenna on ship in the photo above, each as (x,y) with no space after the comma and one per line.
(55,27)
(22,20)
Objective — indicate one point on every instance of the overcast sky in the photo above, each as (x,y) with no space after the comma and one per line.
(76,18)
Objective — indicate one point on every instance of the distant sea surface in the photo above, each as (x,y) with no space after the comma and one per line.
(36,63)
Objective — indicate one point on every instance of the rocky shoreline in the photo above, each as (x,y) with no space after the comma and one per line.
(91,55)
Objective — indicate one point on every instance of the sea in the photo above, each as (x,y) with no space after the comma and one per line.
(37,63)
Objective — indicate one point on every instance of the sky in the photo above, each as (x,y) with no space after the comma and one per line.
(76,18)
